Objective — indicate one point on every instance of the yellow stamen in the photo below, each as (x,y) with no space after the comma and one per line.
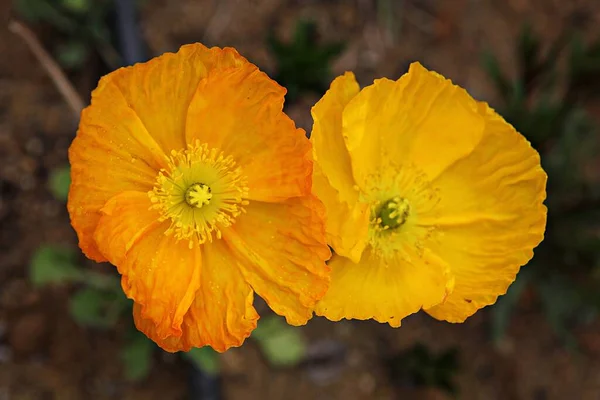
(201,192)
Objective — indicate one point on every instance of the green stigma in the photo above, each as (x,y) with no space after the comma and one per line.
(393,213)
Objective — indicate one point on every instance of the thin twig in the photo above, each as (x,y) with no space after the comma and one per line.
(62,83)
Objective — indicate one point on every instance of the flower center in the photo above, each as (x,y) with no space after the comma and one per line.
(198,195)
(201,192)
(393,213)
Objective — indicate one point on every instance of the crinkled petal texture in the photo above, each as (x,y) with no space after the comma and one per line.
(279,250)
(221,314)
(333,183)
(131,237)
(275,156)
(491,217)
(384,288)
(136,118)
(187,293)
(473,186)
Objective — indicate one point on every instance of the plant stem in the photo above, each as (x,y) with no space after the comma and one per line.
(60,80)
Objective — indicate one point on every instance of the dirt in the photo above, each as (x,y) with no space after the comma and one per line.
(45,355)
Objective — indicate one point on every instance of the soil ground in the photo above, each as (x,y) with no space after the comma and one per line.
(45,355)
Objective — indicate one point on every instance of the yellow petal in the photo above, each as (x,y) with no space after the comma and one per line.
(327,137)
(386,290)
(421,119)
(281,252)
(239,111)
(491,216)
(158,272)
(221,315)
(160,90)
(347,226)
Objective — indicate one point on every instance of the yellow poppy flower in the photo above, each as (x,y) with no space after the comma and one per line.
(433,200)
(188,177)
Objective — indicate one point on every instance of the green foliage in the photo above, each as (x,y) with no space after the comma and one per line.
(205,359)
(77,6)
(420,367)
(72,54)
(97,308)
(52,265)
(547,106)
(136,356)
(281,344)
(81,26)
(303,65)
(59,182)
(584,64)
(98,302)
(44,11)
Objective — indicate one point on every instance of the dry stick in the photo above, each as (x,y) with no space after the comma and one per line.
(62,83)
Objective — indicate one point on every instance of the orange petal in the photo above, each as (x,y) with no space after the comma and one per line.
(137,115)
(112,153)
(239,111)
(159,273)
(221,316)
(281,252)
(160,90)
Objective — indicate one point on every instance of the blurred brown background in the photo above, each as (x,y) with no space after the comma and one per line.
(48,351)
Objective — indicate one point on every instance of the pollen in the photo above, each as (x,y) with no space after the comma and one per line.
(201,192)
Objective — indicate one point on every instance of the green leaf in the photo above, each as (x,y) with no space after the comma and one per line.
(103,281)
(72,55)
(528,51)
(44,11)
(77,6)
(205,359)
(303,65)
(53,265)
(136,356)
(281,344)
(544,120)
(492,67)
(305,34)
(584,67)
(59,182)
(97,308)
(547,65)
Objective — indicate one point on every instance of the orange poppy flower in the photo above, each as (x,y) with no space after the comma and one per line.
(188,177)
